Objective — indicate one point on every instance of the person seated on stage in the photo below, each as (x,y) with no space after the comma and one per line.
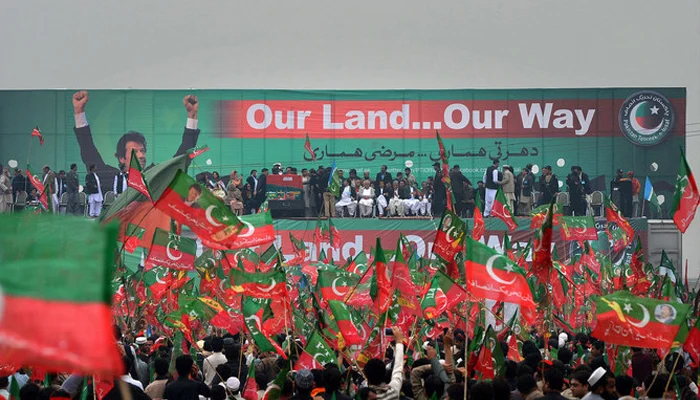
(383,196)
(395,203)
(346,199)
(412,203)
(366,199)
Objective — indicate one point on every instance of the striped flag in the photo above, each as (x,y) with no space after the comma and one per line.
(650,194)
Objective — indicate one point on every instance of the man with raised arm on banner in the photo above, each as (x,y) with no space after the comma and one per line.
(130,141)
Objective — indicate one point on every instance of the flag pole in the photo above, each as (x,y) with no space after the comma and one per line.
(466,349)
(643,204)
(29,150)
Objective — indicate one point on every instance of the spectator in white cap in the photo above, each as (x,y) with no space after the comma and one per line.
(601,385)
(233,387)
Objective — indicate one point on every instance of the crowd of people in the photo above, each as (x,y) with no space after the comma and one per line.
(573,367)
(363,196)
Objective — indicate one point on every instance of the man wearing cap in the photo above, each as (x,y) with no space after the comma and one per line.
(601,383)
(303,384)
(233,386)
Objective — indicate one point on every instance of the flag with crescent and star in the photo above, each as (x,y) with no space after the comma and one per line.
(614,216)
(449,239)
(342,317)
(253,314)
(257,229)
(336,284)
(491,275)
(627,320)
(316,354)
(135,178)
(263,285)
(578,228)
(441,294)
(686,197)
(43,197)
(171,251)
(188,203)
(501,210)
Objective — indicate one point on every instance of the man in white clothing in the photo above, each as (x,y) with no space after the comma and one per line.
(217,358)
(94,191)
(491,182)
(120,181)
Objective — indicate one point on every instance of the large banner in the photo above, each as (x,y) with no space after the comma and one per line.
(361,234)
(639,129)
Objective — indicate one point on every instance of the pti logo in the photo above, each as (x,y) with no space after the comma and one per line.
(646,118)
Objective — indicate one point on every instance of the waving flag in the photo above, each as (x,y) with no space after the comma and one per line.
(336,284)
(43,198)
(650,194)
(307,147)
(188,203)
(135,179)
(171,251)
(445,173)
(449,239)
(686,196)
(267,285)
(342,317)
(257,229)
(253,315)
(612,214)
(578,228)
(316,354)
(442,294)
(37,132)
(502,210)
(334,183)
(479,226)
(628,320)
(491,275)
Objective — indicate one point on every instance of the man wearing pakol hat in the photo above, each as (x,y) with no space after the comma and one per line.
(303,384)
(600,383)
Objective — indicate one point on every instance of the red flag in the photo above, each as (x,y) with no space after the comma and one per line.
(135,179)
(542,248)
(449,239)
(445,172)
(612,214)
(686,196)
(692,343)
(198,150)
(171,251)
(484,364)
(479,226)
(43,199)
(37,132)
(382,300)
(502,210)
(307,147)
(251,386)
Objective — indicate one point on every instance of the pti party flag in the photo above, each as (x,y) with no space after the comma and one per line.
(57,270)
(133,236)
(136,179)
(188,203)
(502,210)
(449,239)
(37,132)
(445,172)
(171,251)
(381,281)
(612,214)
(578,228)
(263,285)
(43,198)
(628,320)
(307,147)
(257,229)
(325,230)
(334,183)
(441,295)
(491,275)
(198,150)
(686,196)
(666,267)
(251,386)
(692,342)
(316,354)
(542,248)
(336,284)
(341,315)
(650,194)
(253,311)
(479,226)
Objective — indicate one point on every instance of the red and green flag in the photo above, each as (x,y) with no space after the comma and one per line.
(253,315)
(479,225)
(263,285)
(449,239)
(251,386)
(613,215)
(133,235)
(37,132)
(171,251)
(441,295)
(198,150)
(308,148)
(491,275)
(299,248)
(257,229)
(542,248)
(692,343)
(316,354)
(686,196)
(336,284)
(43,197)
(381,290)
(577,228)
(188,203)
(342,317)
(325,230)
(445,172)
(502,211)
(57,270)
(136,179)
(628,320)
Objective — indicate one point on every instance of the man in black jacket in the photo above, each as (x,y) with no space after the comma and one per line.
(579,187)
(186,387)
(548,186)
(383,176)
(553,384)
(19,184)
(130,141)
(458,180)
(439,195)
